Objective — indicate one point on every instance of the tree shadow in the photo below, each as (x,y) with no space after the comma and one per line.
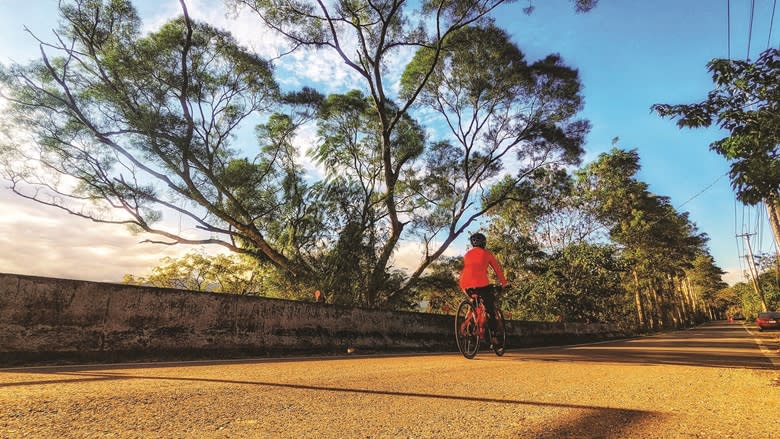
(588,421)
(601,423)
(719,346)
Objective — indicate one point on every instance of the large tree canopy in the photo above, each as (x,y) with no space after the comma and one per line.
(599,245)
(147,125)
(746,103)
(507,121)
(657,242)
(367,37)
(110,120)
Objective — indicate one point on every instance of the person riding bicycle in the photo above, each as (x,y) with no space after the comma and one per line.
(474,277)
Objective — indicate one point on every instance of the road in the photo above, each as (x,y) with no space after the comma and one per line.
(715,381)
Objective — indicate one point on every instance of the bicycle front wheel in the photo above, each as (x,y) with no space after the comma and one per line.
(466,334)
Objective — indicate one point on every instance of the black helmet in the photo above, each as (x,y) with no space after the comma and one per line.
(478,240)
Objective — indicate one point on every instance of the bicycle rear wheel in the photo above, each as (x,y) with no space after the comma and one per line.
(500,333)
(466,330)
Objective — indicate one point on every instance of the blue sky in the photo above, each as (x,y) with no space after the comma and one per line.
(630,54)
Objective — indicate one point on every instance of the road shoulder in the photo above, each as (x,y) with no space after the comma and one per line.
(768,342)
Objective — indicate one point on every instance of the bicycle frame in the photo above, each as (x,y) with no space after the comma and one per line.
(479,317)
(472,330)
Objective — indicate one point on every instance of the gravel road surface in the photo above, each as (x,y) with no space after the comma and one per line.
(715,381)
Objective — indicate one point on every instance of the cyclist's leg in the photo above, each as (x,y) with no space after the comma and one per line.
(489,298)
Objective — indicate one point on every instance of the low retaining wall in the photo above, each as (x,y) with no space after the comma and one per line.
(58,320)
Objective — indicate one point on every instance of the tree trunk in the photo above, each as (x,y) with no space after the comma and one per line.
(640,308)
(686,301)
(655,309)
(682,300)
(377,276)
(694,300)
(773,212)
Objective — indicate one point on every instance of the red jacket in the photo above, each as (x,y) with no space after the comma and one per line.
(475,269)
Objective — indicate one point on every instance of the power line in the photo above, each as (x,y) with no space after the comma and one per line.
(728,26)
(750,29)
(703,190)
(771,23)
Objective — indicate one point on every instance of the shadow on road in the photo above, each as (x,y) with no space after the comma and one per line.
(712,345)
(80,377)
(603,422)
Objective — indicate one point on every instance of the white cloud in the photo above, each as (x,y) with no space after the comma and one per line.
(734,275)
(42,241)
(304,140)
(410,254)
(323,67)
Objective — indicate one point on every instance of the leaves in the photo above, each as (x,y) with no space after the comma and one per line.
(745,102)
(148,125)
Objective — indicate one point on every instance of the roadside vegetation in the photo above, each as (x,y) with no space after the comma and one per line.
(747,299)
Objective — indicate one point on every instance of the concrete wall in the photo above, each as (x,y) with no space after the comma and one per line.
(58,320)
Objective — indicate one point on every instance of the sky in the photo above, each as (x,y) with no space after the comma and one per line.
(630,55)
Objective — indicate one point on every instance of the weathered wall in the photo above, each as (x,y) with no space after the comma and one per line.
(45,319)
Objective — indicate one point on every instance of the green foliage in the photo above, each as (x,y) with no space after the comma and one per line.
(234,274)
(706,281)
(580,283)
(744,102)
(439,287)
(549,241)
(484,89)
(146,124)
(650,230)
(480,85)
(658,243)
(747,301)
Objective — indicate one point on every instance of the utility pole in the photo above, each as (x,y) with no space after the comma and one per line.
(753,271)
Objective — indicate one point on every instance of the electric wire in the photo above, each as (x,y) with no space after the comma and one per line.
(728,27)
(771,24)
(750,28)
(703,190)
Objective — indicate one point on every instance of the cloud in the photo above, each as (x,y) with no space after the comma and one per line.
(734,276)
(42,241)
(410,254)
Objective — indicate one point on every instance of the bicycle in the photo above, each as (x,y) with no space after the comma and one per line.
(471,328)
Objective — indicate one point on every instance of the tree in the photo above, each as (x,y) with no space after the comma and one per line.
(439,286)
(658,243)
(366,36)
(498,109)
(146,125)
(745,102)
(580,283)
(236,274)
(349,149)
(742,298)
(704,283)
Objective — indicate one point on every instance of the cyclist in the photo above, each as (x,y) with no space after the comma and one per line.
(474,277)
